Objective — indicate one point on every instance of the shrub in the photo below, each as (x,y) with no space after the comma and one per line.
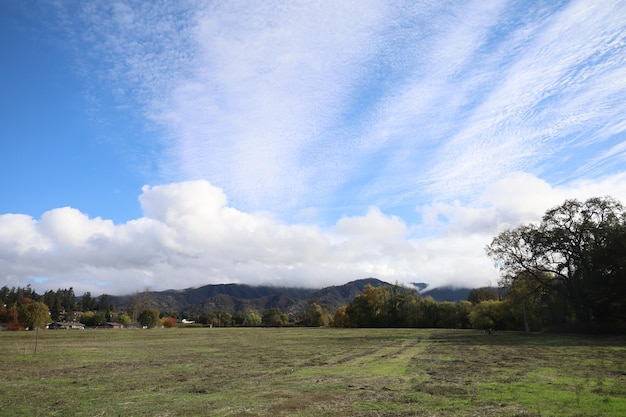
(169,322)
(15,325)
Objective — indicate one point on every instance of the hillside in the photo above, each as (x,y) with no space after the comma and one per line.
(241,297)
(447,294)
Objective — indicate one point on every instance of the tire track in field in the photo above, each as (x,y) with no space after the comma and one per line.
(390,353)
(377,372)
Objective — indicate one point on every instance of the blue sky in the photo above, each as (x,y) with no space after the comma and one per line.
(175,144)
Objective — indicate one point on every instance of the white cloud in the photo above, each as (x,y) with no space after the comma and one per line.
(306,105)
(482,114)
(269,79)
(539,93)
(18,235)
(67,227)
(190,236)
(609,185)
(374,226)
(453,236)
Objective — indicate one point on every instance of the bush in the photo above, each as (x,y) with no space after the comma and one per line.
(169,322)
(93,319)
(9,316)
(15,325)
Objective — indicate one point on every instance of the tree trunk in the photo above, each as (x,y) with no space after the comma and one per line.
(525,317)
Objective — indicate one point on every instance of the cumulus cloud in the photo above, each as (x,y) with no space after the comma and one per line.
(190,236)
(374,226)
(67,227)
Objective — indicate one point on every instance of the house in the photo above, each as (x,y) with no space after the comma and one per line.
(66,325)
(111,325)
(185,321)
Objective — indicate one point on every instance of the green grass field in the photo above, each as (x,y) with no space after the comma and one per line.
(310,372)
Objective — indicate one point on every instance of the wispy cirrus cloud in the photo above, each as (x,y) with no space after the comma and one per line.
(288,105)
(546,104)
(269,85)
(525,96)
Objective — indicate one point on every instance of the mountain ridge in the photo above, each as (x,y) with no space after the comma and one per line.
(243,297)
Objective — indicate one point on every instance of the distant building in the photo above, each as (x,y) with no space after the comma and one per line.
(66,325)
(111,325)
(185,321)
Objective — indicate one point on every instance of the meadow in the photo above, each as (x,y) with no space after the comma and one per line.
(310,372)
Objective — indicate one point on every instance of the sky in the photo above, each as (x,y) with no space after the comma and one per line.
(174,144)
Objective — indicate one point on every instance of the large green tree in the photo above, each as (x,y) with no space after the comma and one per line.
(88,303)
(383,306)
(34,315)
(530,305)
(369,309)
(274,318)
(54,303)
(93,318)
(149,318)
(313,315)
(253,318)
(477,295)
(577,252)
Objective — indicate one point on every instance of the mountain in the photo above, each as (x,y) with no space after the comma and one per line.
(447,294)
(240,297)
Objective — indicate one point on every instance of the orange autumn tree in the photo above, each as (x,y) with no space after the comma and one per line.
(9,316)
(169,322)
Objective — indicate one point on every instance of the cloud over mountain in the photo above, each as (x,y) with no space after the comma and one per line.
(189,236)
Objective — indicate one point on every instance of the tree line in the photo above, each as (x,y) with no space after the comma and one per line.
(18,304)
(567,272)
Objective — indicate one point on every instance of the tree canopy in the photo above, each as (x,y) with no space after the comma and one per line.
(576,257)
(34,314)
(149,318)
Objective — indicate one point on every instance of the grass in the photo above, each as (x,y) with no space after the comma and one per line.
(310,372)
